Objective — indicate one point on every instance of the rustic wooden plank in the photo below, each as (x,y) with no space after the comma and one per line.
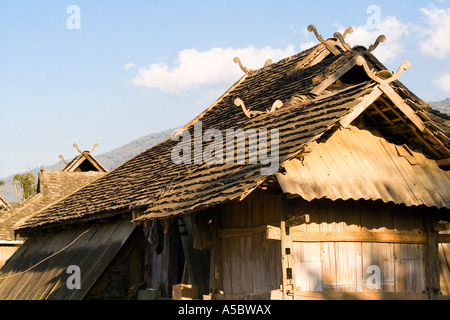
(400,104)
(16,265)
(359,296)
(14,272)
(431,259)
(31,279)
(114,242)
(240,232)
(226,265)
(443,238)
(216,271)
(287,262)
(325,83)
(272,233)
(246,264)
(365,102)
(444,265)
(351,236)
(55,267)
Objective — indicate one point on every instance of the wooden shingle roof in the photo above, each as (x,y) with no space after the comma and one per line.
(52,186)
(313,103)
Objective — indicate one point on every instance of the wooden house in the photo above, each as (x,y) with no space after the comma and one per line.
(356,207)
(51,186)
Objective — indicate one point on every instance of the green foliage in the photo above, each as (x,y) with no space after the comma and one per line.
(27,184)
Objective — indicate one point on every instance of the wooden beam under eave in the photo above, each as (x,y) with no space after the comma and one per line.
(432,274)
(443,162)
(366,101)
(400,104)
(325,83)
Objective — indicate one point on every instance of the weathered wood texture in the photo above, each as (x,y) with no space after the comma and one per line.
(250,264)
(345,266)
(345,245)
(163,268)
(444,265)
(95,247)
(197,261)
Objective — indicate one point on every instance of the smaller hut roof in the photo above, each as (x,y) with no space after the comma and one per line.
(83,162)
(52,186)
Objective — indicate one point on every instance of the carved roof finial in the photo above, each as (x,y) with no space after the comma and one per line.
(382,76)
(62,158)
(348,30)
(76,146)
(238,61)
(239,103)
(312,28)
(95,146)
(330,46)
(341,38)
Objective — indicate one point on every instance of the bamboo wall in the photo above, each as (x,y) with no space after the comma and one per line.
(346,266)
(251,264)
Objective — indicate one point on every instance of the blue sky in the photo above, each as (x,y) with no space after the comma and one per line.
(139,67)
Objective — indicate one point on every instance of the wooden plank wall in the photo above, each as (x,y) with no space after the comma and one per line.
(345,266)
(250,264)
(444,264)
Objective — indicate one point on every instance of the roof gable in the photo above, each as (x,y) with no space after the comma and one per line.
(84,162)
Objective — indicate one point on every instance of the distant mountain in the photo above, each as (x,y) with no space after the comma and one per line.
(441,106)
(109,160)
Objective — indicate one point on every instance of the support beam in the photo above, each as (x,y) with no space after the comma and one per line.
(325,83)
(274,233)
(406,109)
(365,102)
(287,263)
(198,261)
(432,274)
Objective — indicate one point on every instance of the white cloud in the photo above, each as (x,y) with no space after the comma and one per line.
(437,37)
(129,66)
(394,30)
(195,68)
(443,82)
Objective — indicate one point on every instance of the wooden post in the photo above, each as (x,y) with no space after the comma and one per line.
(287,263)
(198,261)
(216,281)
(432,258)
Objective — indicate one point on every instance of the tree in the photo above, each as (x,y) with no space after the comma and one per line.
(27,184)
(2,183)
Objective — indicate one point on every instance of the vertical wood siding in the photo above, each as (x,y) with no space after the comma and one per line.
(252,264)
